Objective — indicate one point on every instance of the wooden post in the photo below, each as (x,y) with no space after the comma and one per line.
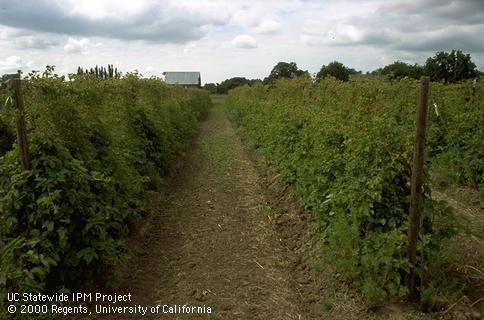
(416,186)
(20,120)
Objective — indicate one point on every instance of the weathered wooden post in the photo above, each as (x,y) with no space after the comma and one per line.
(416,186)
(20,121)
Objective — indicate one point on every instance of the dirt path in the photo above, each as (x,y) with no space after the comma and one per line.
(213,243)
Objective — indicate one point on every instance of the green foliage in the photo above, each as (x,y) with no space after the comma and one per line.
(6,137)
(232,83)
(284,70)
(450,67)
(399,70)
(97,146)
(100,72)
(7,121)
(3,81)
(229,84)
(457,140)
(347,150)
(335,69)
(327,304)
(210,87)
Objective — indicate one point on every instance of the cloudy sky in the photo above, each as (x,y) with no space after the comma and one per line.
(226,38)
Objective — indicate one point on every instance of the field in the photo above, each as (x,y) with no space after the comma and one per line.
(346,150)
(298,192)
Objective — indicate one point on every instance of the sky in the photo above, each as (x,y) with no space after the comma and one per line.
(228,38)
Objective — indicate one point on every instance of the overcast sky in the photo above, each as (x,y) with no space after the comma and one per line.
(227,38)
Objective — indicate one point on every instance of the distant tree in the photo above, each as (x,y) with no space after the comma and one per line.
(210,87)
(101,72)
(232,83)
(354,71)
(450,67)
(254,81)
(399,70)
(335,69)
(284,70)
(229,84)
(376,72)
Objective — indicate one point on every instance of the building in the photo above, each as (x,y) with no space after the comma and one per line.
(186,79)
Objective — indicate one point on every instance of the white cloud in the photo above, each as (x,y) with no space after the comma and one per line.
(156,21)
(11,64)
(7,33)
(331,32)
(24,39)
(247,18)
(244,41)
(268,26)
(77,46)
(34,42)
(391,35)
(189,48)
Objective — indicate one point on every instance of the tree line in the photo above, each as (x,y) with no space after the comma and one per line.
(110,72)
(447,67)
(226,85)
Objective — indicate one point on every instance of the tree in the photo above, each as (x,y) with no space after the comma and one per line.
(210,87)
(450,67)
(284,70)
(376,72)
(354,71)
(399,70)
(335,69)
(232,83)
(229,84)
(101,72)
(110,71)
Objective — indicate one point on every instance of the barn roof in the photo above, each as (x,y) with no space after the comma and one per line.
(183,78)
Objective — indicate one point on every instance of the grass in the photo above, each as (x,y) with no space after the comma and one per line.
(217,146)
